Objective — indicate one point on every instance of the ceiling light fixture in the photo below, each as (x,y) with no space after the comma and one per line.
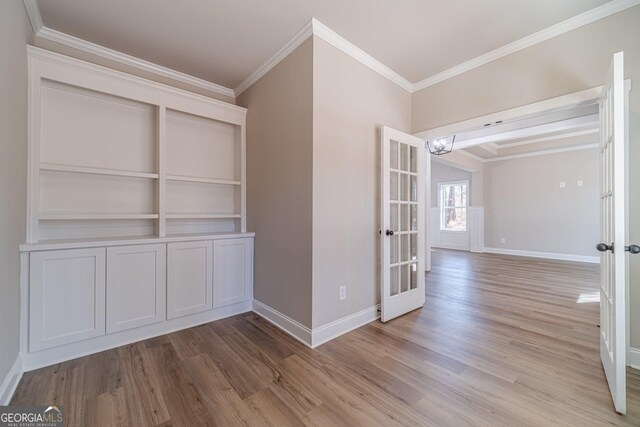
(440,146)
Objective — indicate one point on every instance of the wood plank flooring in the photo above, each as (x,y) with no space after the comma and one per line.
(501,341)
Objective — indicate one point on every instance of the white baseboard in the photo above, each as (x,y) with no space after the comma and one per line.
(447,246)
(634,358)
(338,327)
(545,255)
(11,382)
(47,357)
(292,327)
(315,337)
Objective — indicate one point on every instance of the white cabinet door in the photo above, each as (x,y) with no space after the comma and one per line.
(232,271)
(66,296)
(189,278)
(136,286)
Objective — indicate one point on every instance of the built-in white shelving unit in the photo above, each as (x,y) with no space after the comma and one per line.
(112,155)
(136,211)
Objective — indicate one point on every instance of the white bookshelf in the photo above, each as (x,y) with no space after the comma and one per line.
(113,155)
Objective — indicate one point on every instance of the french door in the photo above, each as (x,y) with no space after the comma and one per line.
(403,223)
(612,232)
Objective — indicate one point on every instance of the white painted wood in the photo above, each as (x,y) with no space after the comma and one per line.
(613,231)
(189,278)
(67,297)
(200,147)
(544,255)
(10,383)
(232,271)
(136,286)
(82,348)
(403,297)
(125,241)
(102,145)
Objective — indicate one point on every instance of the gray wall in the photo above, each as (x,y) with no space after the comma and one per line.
(279,183)
(570,62)
(351,104)
(16,33)
(525,204)
(444,173)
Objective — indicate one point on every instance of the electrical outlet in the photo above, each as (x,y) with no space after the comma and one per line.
(580,183)
(343,292)
(563,184)
(503,240)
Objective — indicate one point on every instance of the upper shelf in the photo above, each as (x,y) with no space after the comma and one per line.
(202,180)
(95,171)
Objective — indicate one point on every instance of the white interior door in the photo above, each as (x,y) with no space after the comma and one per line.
(403,223)
(613,233)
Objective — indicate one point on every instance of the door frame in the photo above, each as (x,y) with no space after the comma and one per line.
(535,108)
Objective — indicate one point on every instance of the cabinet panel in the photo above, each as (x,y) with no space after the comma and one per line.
(67,296)
(136,286)
(232,271)
(190,278)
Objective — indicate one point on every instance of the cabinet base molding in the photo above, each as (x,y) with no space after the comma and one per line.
(11,381)
(312,338)
(40,359)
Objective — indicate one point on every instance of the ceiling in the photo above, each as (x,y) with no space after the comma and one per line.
(225,41)
(561,129)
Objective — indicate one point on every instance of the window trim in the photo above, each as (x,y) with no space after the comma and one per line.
(440,207)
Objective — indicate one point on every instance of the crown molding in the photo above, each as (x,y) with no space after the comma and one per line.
(55,36)
(315,27)
(33,12)
(570,24)
(550,138)
(300,37)
(358,54)
(541,153)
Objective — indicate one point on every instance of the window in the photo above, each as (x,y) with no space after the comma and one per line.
(453,205)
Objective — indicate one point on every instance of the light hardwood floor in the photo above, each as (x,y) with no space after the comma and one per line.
(500,341)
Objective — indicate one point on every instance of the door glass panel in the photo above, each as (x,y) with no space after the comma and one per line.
(414,189)
(393,185)
(404,278)
(394,249)
(404,187)
(394,289)
(413,160)
(393,216)
(414,276)
(404,217)
(393,154)
(414,246)
(404,157)
(414,217)
(404,248)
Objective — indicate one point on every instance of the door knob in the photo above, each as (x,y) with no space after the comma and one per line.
(603,247)
(389,233)
(632,249)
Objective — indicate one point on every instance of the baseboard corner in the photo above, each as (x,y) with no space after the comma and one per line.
(634,358)
(346,324)
(284,322)
(11,381)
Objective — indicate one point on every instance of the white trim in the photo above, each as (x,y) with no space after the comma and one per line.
(326,333)
(529,110)
(33,12)
(471,155)
(563,27)
(315,27)
(11,381)
(95,49)
(287,324)
(322,334)
(550,138)
(634,358)
(300,37)
(358,54)
(113,55)
(545,255)
(542,153)
(51,356)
